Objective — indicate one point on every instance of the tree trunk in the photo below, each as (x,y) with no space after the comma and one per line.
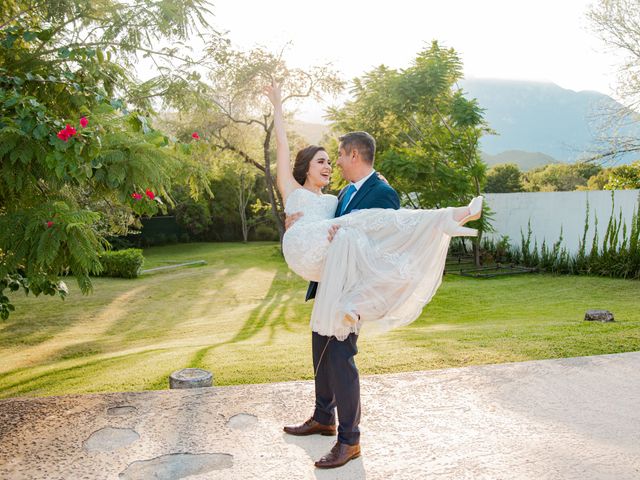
(271,190)
(476,241)
(242,207)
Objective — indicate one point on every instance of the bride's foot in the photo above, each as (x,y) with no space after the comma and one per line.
(462,215)
(475,210)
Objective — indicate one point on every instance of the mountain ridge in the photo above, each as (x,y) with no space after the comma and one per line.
(536,122)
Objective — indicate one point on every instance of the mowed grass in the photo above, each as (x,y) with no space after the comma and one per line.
(243,317)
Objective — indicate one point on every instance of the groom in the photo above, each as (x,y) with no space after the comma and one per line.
(337,382)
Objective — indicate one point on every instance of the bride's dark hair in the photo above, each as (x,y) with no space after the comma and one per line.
(301,164)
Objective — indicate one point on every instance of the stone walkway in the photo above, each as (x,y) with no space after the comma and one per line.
(575,418)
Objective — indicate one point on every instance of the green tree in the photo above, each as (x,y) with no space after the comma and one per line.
(239,116)
(598,181)
(559,177)
(78,153)
(504,178)
(624,177)
(427,131)
(240,195)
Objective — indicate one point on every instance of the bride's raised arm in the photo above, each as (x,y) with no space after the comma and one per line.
(284,176)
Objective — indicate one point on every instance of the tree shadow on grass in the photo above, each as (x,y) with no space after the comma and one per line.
(117,312)
(39,381)
(271,314)
(170,294)
(38,319)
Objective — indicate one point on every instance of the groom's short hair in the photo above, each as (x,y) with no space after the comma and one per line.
(362,141)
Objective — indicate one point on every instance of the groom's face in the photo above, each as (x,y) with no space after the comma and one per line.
(345,162)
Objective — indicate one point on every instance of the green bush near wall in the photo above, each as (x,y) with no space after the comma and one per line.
(122,263)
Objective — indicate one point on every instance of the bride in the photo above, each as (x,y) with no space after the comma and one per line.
(382,265)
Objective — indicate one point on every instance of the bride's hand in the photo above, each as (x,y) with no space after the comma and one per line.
(382,177)
(273,92)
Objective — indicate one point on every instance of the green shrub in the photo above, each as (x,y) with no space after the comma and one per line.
(193,216)
(120,243)
(123,263)
(172,238)
(266,233)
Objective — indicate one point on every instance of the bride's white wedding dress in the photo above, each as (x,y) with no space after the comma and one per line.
(383,264)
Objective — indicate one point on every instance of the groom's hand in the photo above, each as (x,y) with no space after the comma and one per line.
(291,219)
(332,232)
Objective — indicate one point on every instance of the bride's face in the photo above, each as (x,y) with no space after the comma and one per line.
(319,172)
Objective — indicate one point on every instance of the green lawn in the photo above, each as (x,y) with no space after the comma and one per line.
(243,317)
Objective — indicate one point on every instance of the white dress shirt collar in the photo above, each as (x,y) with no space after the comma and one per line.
(360,182)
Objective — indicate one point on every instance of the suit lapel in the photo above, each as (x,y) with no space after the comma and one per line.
(362,192)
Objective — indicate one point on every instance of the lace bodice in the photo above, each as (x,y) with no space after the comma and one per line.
(305,243)
(315,207)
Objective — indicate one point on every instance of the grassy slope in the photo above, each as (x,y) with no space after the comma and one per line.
(243,317)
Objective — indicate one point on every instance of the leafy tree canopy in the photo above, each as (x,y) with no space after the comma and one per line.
(504,178)
(426,130)
(78,152)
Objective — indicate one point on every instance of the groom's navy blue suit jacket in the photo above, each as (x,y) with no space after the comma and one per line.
(374,193)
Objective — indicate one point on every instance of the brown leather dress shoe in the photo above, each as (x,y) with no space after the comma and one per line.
(310,427)
(340,454)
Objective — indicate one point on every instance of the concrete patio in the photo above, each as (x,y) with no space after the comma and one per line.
(576,418)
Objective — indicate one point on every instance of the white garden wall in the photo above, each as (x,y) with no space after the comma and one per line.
(548,211)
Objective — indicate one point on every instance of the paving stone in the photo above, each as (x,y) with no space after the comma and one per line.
(176,466)
(122,410)
(242,421)
(107,439)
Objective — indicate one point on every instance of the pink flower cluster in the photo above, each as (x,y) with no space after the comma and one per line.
(148,193)
(67,132)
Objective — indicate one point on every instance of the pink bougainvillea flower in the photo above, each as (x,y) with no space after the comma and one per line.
(49,224)
(136,196)
(150,194)
(66,133)
(84,122)
(62,135)
(195,136)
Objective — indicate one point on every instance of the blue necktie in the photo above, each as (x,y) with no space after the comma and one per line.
(347,196)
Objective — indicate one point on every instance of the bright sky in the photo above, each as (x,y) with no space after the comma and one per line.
(545,40)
